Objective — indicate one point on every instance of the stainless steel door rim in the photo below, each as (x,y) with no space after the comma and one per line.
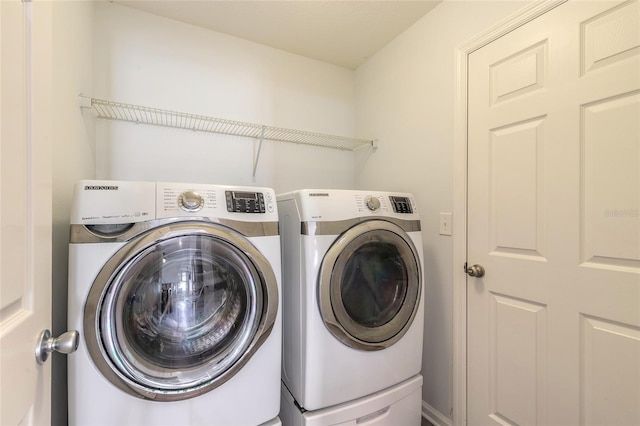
(179,310)
(377,260)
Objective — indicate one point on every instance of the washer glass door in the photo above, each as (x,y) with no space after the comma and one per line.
(370,285)
(178,317)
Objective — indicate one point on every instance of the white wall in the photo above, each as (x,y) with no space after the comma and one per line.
(405,98)
(147,60)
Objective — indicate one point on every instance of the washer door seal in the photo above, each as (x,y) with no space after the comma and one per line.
(179,310)
(369,285)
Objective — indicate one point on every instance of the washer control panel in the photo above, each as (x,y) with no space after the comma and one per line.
(215,201)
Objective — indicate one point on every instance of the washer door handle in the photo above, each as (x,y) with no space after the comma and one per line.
(66,343)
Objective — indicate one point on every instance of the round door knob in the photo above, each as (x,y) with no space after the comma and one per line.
(66,343)
(475,271)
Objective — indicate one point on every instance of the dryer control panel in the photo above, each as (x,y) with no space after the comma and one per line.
(329,205)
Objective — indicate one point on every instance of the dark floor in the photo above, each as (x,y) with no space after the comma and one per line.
(426,422)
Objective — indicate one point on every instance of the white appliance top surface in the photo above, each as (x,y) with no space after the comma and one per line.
(339,204)
(112,202)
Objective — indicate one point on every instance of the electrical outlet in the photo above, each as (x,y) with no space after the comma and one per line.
(445,223)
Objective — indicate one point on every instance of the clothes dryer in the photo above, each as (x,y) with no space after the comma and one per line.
(352,293)
(176,291)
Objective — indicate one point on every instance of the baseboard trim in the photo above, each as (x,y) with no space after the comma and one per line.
(434,416)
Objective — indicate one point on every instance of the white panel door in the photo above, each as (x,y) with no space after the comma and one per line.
(554,218)
(25,209)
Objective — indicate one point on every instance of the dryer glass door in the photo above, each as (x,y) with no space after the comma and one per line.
(370,285)
(181,315)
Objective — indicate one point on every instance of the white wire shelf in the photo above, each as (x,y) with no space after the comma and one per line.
(145,115)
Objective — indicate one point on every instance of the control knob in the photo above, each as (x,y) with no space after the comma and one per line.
(373,203)
(191,201)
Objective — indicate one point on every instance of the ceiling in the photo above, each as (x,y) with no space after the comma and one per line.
(344,33)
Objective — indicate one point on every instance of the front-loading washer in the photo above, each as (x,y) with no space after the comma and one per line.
(175,289)
(352,293)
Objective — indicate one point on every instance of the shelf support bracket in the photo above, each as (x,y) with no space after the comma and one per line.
(257,157)
(85,101)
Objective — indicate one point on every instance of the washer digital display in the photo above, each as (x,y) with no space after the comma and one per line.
(245,202)
(401,204)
